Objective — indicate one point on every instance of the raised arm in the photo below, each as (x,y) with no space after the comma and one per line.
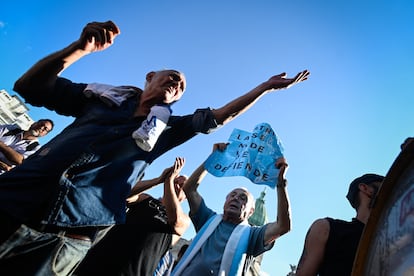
(96,36)
(190,188)
(314,248)
(177,218)
(143,185)
(282,224)
(241,104)
(192,183)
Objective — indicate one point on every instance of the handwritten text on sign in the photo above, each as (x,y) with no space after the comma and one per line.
(252,155)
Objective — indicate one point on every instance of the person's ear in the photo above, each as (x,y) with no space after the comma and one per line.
(364,188)
(149,76)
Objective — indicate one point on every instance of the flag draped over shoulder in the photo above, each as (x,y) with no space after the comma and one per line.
(249,154)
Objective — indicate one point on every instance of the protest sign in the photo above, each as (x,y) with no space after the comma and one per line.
(249,154)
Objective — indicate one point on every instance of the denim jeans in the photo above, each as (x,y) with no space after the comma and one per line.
(29,252)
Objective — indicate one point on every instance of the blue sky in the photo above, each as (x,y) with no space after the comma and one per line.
(349,118)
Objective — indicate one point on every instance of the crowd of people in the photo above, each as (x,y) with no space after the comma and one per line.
(77,205)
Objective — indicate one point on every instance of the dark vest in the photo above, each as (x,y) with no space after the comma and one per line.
(341,247)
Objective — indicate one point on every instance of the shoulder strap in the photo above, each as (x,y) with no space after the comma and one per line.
(197,242)
(235,251)
(32,146)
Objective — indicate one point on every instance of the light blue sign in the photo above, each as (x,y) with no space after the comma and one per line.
(252,155)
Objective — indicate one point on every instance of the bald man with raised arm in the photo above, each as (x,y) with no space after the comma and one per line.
(77,183)
(224,240)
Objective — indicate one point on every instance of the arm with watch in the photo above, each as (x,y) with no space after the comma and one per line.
(283,223)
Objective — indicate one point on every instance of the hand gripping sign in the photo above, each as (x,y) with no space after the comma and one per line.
(252,155)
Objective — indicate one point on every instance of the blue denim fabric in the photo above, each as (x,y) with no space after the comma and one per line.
(28,252)
(83,175)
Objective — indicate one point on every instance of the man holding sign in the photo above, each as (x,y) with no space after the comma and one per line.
(223,241)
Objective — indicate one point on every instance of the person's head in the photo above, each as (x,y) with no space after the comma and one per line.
(239,205)
(41,127)
(406,142)
(178,187)
(364,187)
(165,86)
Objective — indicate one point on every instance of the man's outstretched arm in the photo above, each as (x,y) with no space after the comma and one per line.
(191,185)
(241,104)
(190,188)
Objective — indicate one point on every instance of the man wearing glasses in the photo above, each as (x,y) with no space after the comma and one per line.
(17,144)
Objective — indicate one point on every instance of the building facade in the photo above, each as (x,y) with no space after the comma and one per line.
(14,111)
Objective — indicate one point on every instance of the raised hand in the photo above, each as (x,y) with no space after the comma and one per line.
(5,167)
(282,165)
(165,173)
(281,82)
(97,36)
(220,146)
(177,167)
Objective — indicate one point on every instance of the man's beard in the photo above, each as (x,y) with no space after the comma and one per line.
(34,132)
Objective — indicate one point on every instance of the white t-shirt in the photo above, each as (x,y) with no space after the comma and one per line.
(13,138)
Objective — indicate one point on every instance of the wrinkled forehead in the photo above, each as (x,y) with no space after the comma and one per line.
(179,75)
(242,190)
(172,71)
(168,71)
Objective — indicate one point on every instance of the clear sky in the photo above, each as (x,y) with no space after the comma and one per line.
(349,118)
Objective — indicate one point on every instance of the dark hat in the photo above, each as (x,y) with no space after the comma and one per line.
(354,186)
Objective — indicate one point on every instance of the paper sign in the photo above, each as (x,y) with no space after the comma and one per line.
(252,155)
